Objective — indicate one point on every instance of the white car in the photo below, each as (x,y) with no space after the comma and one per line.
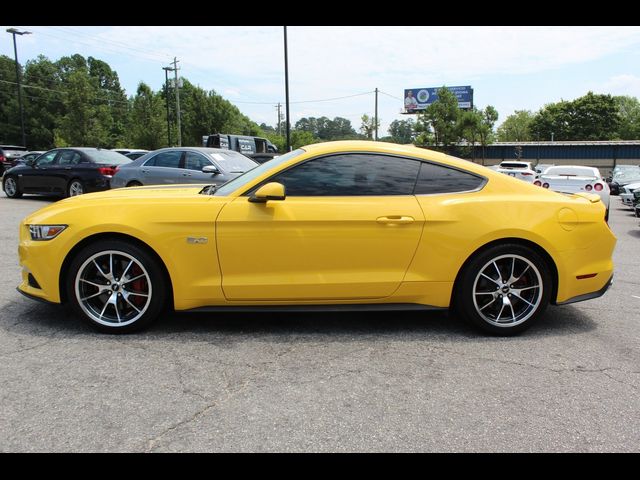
(517,169)
(573,179)
(626,193)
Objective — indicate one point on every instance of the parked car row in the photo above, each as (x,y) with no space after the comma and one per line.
(73,171)
(562,178)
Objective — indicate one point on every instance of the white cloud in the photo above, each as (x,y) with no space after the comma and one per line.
(622,85)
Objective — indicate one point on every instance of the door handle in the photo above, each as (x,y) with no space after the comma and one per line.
(395,219)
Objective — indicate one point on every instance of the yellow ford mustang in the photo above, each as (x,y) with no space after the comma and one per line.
(338,225)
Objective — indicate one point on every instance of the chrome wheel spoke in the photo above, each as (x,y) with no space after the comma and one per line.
(489,278)
(488,304)
(100,270)
(126,269)
(126,299)
(132,279)
(92,296)
(137,294)
(499,274)
(101,286)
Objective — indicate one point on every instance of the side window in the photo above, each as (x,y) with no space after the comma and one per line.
(440,179)
(46,160)
(69,157)
(165,159)
(351,174)
(195,161)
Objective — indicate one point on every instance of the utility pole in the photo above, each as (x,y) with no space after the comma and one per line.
(279,118)
(175,70)
(376,124)
(15,32)
(286,87)
(166,96)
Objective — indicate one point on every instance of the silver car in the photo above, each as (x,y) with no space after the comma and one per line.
(183,165)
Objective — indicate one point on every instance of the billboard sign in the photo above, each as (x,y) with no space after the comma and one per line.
(417,99)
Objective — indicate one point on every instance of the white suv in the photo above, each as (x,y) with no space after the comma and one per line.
(518,169)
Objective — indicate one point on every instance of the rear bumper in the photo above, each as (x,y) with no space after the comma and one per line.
(589,296)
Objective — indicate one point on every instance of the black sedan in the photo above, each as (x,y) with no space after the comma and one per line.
(64,171)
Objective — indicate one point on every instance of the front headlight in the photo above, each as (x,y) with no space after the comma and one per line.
(45,232)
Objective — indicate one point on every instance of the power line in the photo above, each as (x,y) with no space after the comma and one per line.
(389,95)
(63,92)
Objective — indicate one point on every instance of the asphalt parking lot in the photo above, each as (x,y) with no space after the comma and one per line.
(322,382)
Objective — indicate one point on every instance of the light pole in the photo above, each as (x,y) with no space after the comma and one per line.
(166,96)
(286,88)
(15,32)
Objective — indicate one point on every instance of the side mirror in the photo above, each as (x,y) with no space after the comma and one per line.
(269,191)
(211,169)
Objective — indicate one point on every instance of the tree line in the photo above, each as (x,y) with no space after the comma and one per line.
(79,101)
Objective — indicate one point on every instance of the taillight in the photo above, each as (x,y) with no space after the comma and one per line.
(598,187)
(107,171)
(2,158)
(588,188)
(538,183)
(526,174)
(545,185)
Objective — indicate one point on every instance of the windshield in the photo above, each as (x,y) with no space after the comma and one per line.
(233,162)
(247,177)
(107,156)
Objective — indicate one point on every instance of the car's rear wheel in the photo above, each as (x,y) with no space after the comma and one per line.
(75,188)
(504,289)
(116,286)
(11,188)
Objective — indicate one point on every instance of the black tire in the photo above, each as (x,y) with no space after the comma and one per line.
(13,191)
(134,184)
(506,275)
(129,299)
(606,215)
(75,188)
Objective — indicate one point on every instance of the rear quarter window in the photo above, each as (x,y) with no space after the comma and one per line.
(434,179)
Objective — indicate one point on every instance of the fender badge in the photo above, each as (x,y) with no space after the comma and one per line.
(197,240)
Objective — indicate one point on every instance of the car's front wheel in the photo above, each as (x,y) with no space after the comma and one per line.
(115,286)
(504,289)
(11,188)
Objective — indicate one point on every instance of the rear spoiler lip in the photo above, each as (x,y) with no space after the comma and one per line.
(592,197)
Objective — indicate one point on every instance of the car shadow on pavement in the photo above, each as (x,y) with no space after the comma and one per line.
(635,233)
(35,319)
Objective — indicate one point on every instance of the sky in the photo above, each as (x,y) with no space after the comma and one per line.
(511,68)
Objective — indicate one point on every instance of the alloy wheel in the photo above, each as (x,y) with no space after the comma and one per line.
(113,288)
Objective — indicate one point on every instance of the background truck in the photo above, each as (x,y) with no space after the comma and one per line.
(256,148)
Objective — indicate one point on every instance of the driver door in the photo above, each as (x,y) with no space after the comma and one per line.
(347,230)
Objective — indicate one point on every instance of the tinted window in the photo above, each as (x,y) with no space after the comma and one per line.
(440,179)
(195,161)
(69,157)
(351,174)
(166,159)
(46,159)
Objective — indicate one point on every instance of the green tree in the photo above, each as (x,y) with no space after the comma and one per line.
(368,126)
(9,111)
(516,127)
(44,103)
(402,131)
(488,118)
(629,113)
(148,120)
(441,118)
(469,126)
(590,117)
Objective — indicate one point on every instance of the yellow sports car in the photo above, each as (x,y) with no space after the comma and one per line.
(334,226)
